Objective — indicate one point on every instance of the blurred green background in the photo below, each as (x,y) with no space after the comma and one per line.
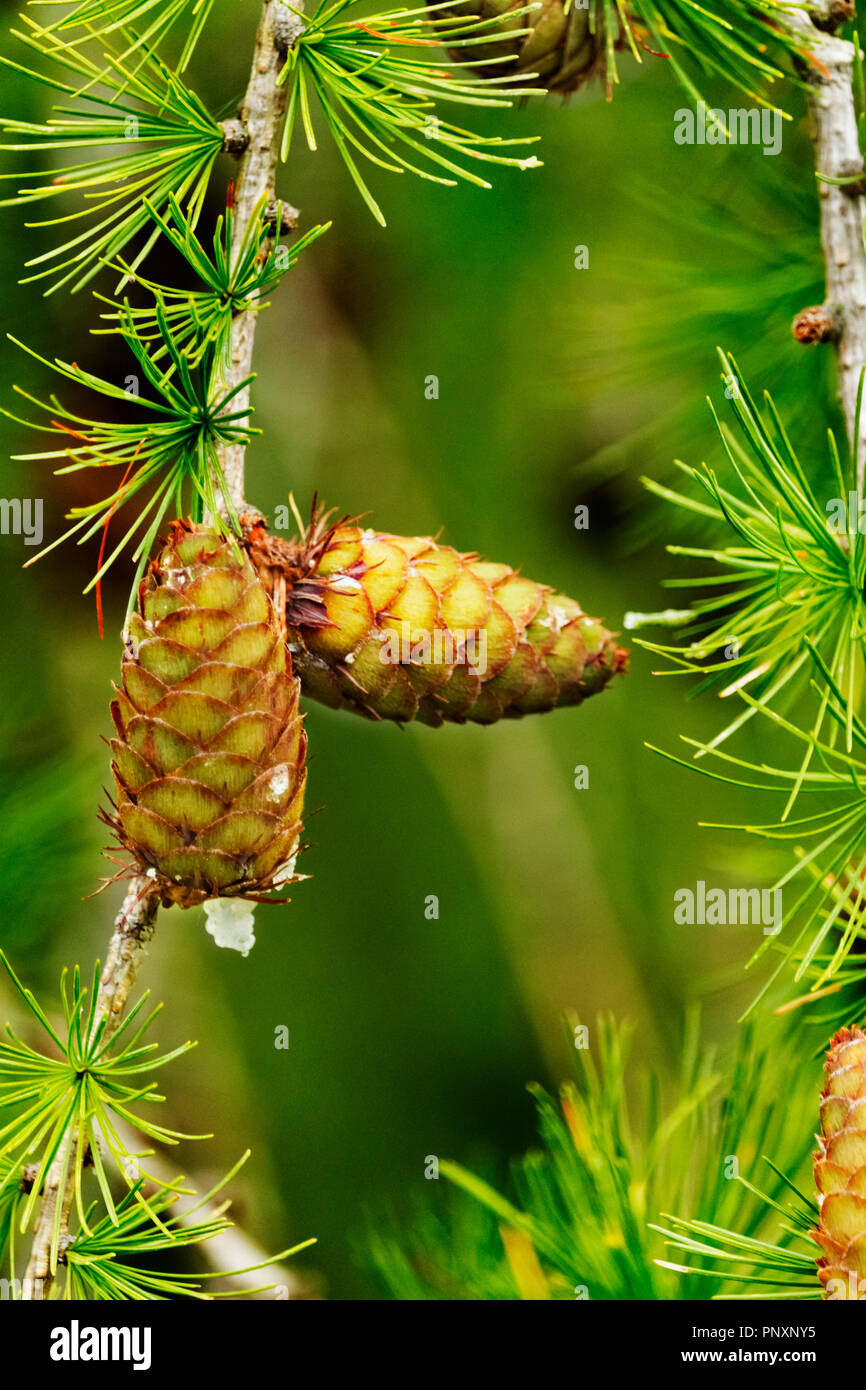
(557,386)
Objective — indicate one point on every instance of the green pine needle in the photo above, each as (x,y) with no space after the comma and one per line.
(65,1107)
(169,144)
(573,1220)
(780,1269)
(12,1195)
(91,20)
(745,41)
(378,84)
(202,319)
(170,453)
(826,921)
(794,573)
(98,1262)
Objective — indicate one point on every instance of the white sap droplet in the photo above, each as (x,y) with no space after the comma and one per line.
(230,923)
(286,871)
(556,620)
(279,783)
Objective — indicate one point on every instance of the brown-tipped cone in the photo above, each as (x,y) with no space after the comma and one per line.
(209,758)
(565,44)
(840,1169)
(401,628)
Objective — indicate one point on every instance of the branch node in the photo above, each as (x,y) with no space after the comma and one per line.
(236,137)
(29,1174)
(830,15)
(288,216)
(851,169)
(818,324)
(287,28)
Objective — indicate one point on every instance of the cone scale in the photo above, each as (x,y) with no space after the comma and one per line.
(209,753)
(402,628)
(840,1169)
(565,45)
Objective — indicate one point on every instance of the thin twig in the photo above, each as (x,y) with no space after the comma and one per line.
(133,928)
(260,118)
(833,116)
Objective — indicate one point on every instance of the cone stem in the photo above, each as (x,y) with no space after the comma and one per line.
(133,928)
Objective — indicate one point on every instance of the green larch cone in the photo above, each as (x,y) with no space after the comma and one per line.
(209,758)
(840,1168)
(402,628)
(565,46)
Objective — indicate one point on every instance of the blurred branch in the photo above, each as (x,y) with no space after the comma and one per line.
(255,135)
(133,928)
(232,1253)
(839,164)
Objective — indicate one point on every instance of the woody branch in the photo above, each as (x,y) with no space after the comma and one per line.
(255,136)
(841,319)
